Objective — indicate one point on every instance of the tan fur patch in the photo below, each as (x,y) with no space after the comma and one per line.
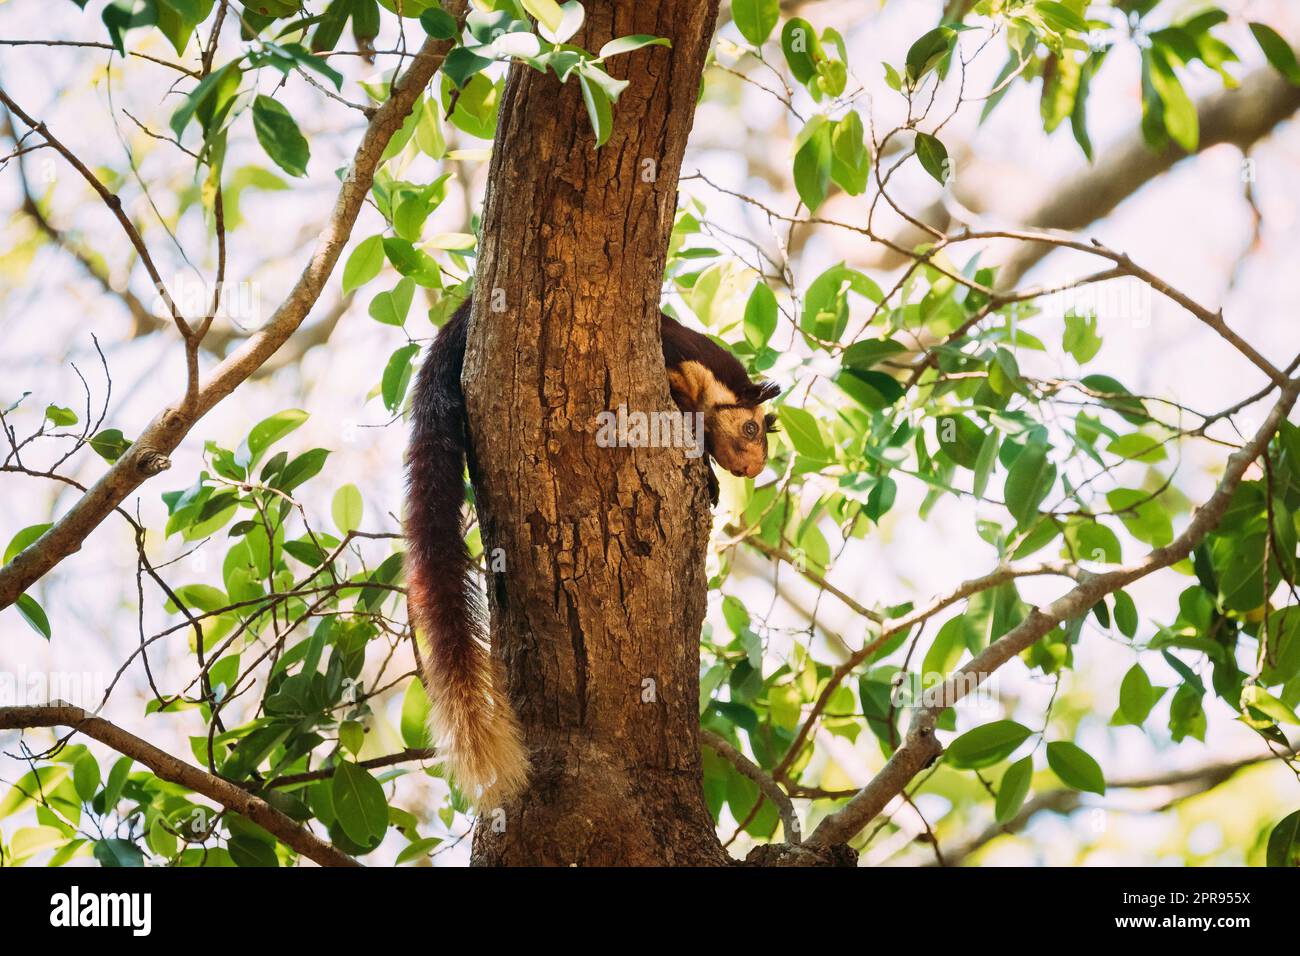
(695,386)
(472,723)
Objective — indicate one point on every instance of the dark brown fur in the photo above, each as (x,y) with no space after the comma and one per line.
(470,715)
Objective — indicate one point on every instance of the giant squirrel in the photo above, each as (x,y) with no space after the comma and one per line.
(470,714)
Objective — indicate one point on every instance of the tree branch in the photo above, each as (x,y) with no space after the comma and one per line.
(374,763)
(921,748)
(111,200)
(800,567)
(1241,117)
(771,789)
(1195,781)
(171,769)
(996,577)
(148,455)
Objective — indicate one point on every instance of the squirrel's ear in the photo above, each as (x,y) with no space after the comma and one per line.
(770,423)
(767,391)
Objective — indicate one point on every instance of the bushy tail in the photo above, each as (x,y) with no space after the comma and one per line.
(471,718)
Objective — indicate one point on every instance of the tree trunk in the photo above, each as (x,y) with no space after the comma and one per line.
(596,612)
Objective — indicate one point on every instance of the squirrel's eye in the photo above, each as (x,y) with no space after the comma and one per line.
(750,429)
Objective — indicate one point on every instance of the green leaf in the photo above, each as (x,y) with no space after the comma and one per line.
(33,614)
(352,735)
(118,853)
(755,19)
(280,136)
(438,23)
(547,12)
(1277,51)
(598,109)
(397,376)
(946,650)
(1137,696)
(309,61)
(1116,397)
(415,716)
(347,508)
(60,417)
(1186,711)
(571,22)
(1137,446)
(1029,481)
(414,264)
(270,430)
(1091,541)
(305,466)
(392,307)
(330,25)
(29,785)
(1126,615)
(85,776)
(866,353)
(359,803)
(813,162)
(1257,698)
(23,539)
(1075,767)
(1013,789)
(364,263)
(960,438)
(760,315)
(417,850)
(1081,339)
(253,750)
(986,745)
(462,65)
(629,43)
(249,851)
(177,20)
(1181,121)
(928,51)
(871,390)
(850,160)
(117,776)
(1079,114)
(826,312)
(110,444)
(1060,17)
(1143,516)
(1004,373)
(933,156)
(985,462)
(28,841)
(429,136)
(1284,842)
(161,841)
(801,48)
(803,432)
(1282,654)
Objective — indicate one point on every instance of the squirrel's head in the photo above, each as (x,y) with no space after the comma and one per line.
(736,432)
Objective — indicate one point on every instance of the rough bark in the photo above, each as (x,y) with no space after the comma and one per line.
(597,613)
